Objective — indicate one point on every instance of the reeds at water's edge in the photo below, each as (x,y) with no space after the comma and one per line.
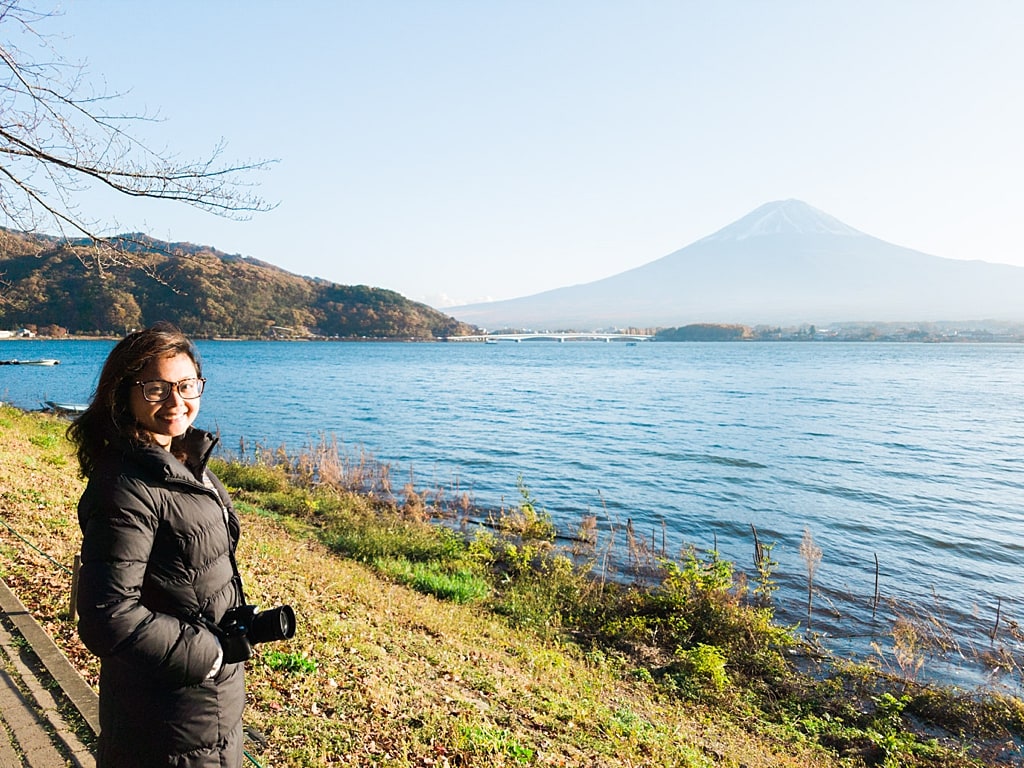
(907,638)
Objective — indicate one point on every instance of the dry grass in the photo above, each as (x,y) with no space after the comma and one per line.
(382,675)
(404,679)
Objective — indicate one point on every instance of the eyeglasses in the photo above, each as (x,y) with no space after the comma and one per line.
(158,390)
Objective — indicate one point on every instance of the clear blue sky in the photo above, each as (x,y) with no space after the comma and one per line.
(464,150)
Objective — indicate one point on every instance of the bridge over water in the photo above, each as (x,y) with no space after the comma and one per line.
(553,336)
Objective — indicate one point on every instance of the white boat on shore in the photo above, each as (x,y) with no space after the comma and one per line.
(65,408)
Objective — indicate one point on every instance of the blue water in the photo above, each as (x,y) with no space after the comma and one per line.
(907,452)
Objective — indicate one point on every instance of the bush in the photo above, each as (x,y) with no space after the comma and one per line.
(257,478)
(527,521)
(700,673)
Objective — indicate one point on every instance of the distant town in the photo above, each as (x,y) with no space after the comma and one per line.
(891,332)
(718,332)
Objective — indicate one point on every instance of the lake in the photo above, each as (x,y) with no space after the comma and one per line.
(908,453)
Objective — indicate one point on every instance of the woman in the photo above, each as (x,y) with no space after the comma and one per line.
(158,562)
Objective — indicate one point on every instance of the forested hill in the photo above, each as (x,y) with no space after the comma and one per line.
(54,284)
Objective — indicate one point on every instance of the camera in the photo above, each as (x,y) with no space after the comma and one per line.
(243,627)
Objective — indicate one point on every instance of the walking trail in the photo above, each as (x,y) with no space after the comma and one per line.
(47,711)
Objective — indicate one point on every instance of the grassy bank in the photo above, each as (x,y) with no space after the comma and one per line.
(419,646)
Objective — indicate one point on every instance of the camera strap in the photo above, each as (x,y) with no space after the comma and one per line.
(237,578)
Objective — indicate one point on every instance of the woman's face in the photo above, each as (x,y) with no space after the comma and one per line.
(172,417)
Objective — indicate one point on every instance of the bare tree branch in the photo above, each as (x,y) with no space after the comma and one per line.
(56,139)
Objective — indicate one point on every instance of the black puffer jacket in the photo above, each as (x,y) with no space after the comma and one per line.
(158,547)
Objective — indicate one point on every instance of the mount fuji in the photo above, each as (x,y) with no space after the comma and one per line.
(784,263)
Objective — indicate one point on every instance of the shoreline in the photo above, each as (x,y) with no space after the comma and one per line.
(553,338)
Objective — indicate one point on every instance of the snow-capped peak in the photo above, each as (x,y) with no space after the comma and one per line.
(784,217)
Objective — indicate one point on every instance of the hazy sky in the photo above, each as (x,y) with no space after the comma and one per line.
(464,150)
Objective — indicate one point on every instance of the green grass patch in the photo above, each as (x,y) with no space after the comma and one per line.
(460,585)
(498,742)
(45,440)
(294,663)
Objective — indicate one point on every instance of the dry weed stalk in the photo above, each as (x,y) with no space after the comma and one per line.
(610,546)
(765,566)
(909,646)
(1005,657)
(415,505)
(874,604)
(643,557)
(585,542)
(811,554)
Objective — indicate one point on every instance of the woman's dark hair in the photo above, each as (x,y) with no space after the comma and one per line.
(109,417)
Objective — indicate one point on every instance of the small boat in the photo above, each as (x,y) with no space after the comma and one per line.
(30,362)
(65,408)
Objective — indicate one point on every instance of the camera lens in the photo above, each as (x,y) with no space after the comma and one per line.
(273,624)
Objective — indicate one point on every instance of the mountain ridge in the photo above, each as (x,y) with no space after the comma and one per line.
(53,283)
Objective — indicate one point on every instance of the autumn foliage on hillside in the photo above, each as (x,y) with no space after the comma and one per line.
(48,282)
